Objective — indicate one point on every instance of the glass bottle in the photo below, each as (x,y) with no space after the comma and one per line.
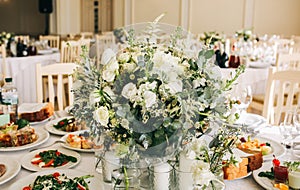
(234,59)
(10,99)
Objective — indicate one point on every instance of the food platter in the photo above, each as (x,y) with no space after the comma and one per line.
(26,160)
(49,126)
(12,169)
(43,136)
(95,183)
(66,145)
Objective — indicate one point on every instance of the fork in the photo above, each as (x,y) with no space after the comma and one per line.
(57,141)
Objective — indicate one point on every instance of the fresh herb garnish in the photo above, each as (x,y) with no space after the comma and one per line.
(268,174)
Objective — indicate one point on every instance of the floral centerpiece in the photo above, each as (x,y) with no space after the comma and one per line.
(211,38)
(149,97)
(5,37)
(245,34)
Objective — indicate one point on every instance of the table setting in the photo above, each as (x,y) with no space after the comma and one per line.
(153,116)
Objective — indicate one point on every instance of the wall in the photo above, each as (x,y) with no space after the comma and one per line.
(21,17)
(227,16)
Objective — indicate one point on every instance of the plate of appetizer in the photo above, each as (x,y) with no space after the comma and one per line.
(63,125)
(250,120)
(28,136)
(9,168)
(266,146)
(45,159)
(59,179)
(79,141)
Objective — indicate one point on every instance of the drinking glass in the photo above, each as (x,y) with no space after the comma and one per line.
(243,98)
(296,119)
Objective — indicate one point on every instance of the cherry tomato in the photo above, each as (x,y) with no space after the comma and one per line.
(57,153)
(275,161)
(80,187)
(27,188)
(49,163)
(56,174)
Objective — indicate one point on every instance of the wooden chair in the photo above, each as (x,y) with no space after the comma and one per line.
(70,50)
(53,41)
(103,42)
(3,64)
(55,71)
(87,35)
(284,61)
(281,94)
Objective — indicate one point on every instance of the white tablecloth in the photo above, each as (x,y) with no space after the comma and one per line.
(255,77)
(88,160)
(22,70)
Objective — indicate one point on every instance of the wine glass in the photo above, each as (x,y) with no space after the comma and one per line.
(296,119)
(243,99)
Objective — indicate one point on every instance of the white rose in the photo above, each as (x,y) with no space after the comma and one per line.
(107,55)
(174,86)
(129,66)
(124,57)
(108,75)
(129,91)
(101,115)
(125,123)
(150,98)
(112,65)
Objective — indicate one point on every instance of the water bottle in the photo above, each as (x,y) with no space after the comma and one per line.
(10,99)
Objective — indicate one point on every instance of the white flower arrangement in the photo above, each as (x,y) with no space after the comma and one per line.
(148,97)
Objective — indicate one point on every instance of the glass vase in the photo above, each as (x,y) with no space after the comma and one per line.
(162,176)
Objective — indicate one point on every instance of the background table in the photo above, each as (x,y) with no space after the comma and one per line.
(22,70)
(255,77)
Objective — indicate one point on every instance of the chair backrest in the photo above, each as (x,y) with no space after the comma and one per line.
(282,94)
(3,64)
(55,71)
(53,41)
(24,38)
(103,42)
(70,50)
(288,61)
(87,35)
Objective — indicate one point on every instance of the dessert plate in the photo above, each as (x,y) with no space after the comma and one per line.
(66,145)
(43,136)
(95,183)
(12,169)
(26,160)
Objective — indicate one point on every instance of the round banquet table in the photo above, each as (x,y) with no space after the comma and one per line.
(22,70)
(87,162)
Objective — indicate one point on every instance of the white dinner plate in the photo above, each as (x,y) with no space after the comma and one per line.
(264,181)
(250,120)
(13,167)
(43,136)
(49,126)
(26,160)
(66,145)
(277,149)
(95,183)
(45,51)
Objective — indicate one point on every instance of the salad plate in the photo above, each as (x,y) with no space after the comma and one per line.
(13,167)
(51,129)
(26,160)
(76,133)
(95,183)
(43,136)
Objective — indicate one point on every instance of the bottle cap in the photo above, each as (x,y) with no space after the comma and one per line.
(8,79)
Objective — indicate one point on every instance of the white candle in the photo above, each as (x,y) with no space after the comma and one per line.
(184,173)
(227,46)
(162,176)
(294,179)
(109,164)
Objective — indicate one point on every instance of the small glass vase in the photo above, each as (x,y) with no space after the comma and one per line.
(162,176)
